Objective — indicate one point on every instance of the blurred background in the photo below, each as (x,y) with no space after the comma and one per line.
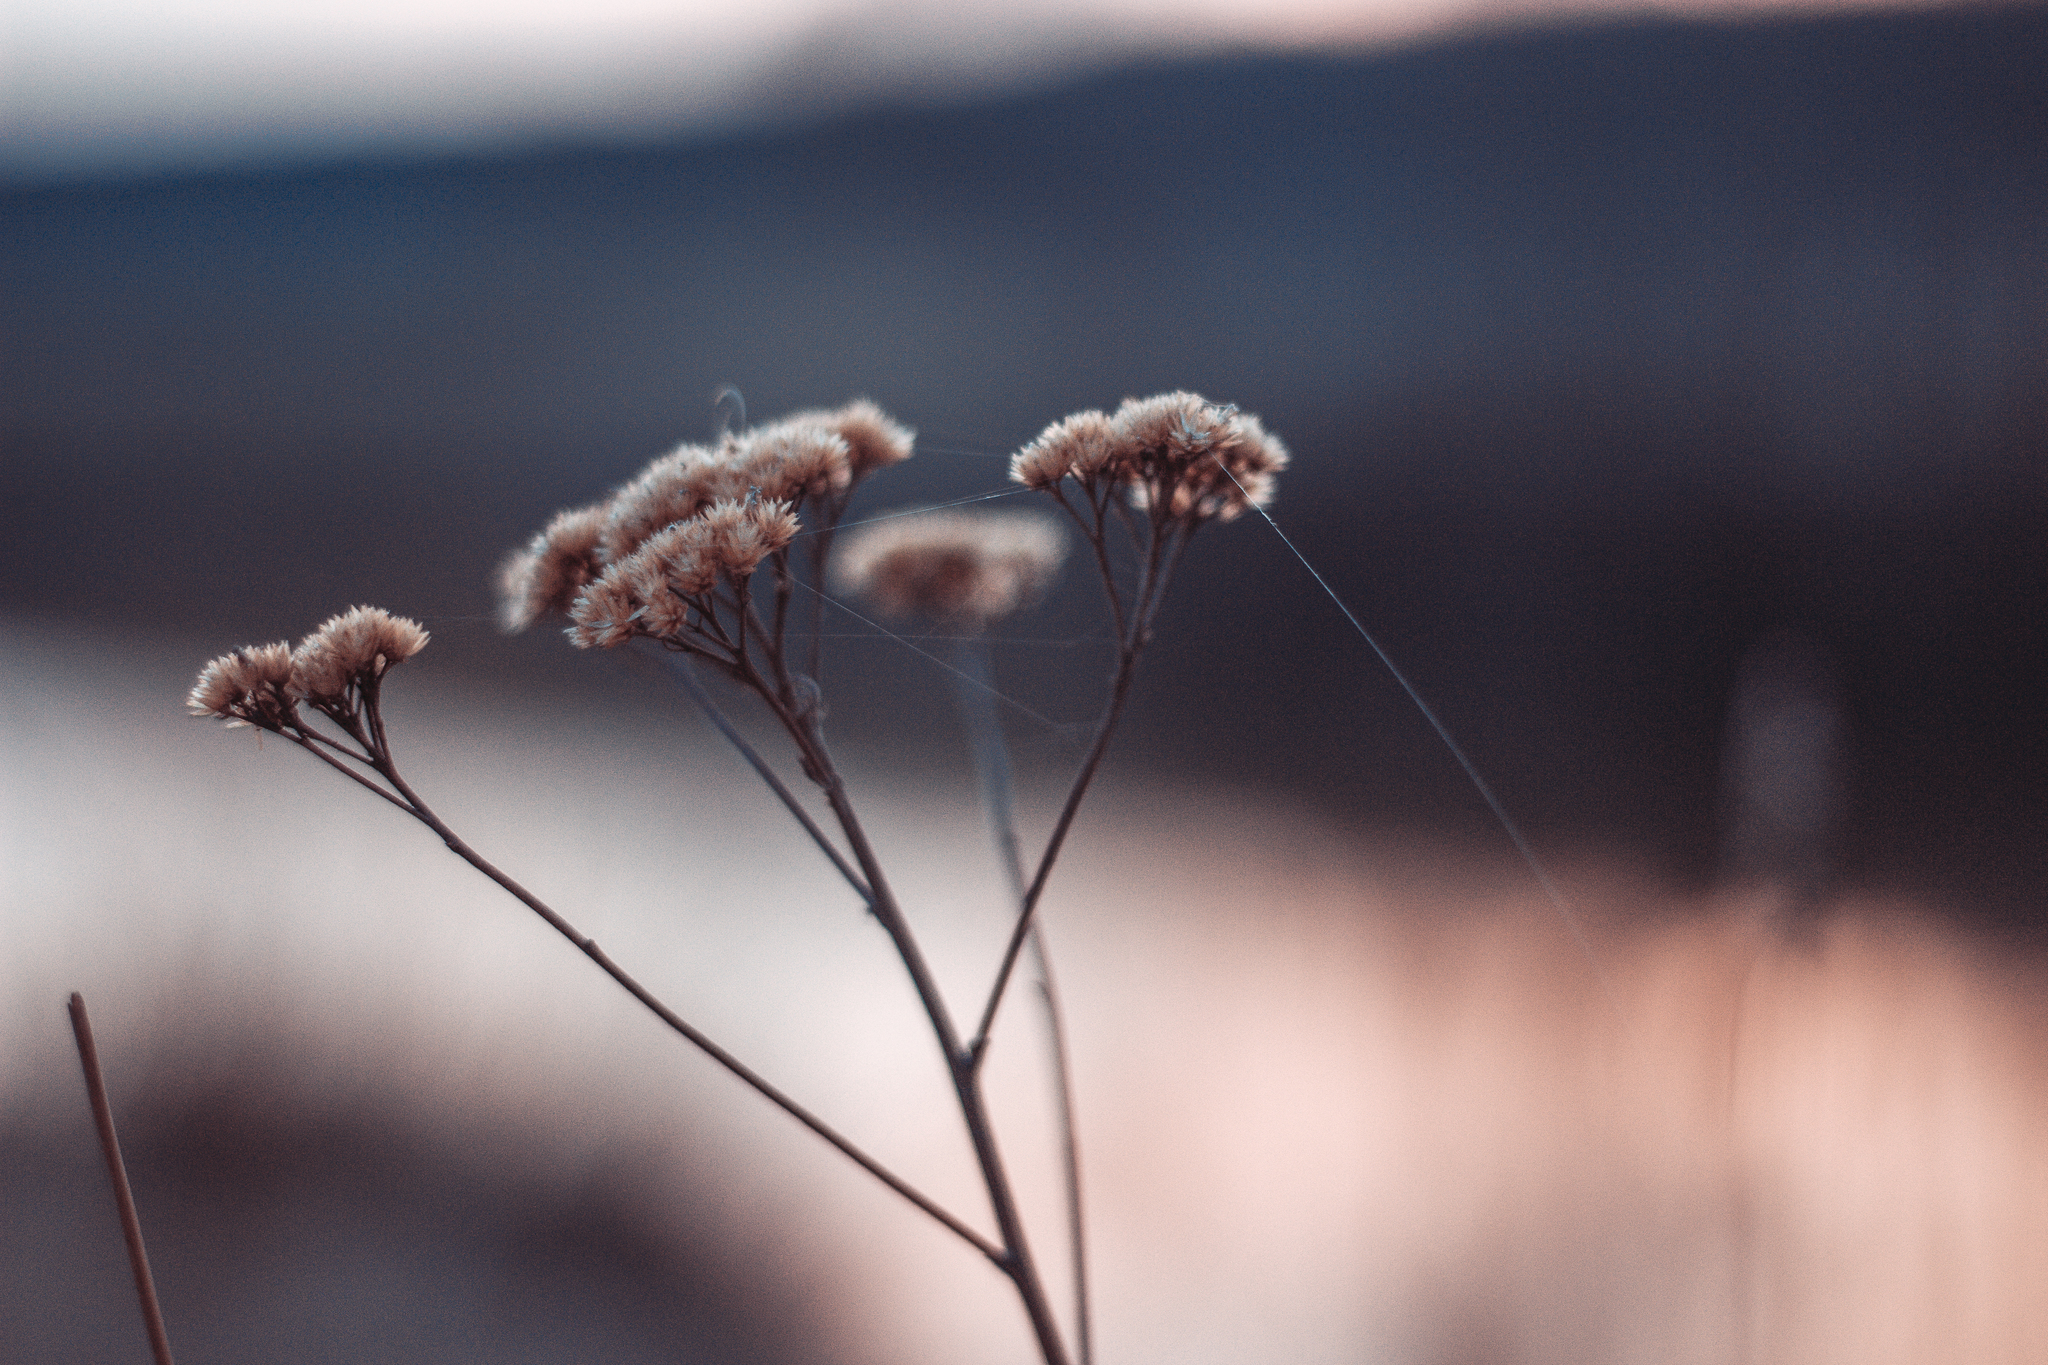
(1608,350)
(1623,351)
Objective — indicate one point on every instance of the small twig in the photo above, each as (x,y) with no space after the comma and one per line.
(1093,532)
(305,740)
(110,1146)
(702,696)
(1070,1147)
(784,578)
(998,790)
(801,725)
(1119,693)
(962,1065)
(411,803)
(1166,538)
(821,552)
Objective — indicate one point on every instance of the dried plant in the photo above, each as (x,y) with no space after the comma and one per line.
(117,1173)
(960,568)
(968,570)
(719,554)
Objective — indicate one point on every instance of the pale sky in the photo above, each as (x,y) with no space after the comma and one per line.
(151,84)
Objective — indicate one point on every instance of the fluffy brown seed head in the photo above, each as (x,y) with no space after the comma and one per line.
(654,590)
(742,534)
(969,568)
(1255,458)
(674,488)
(810,454)
(350,649)
(663,576)
(677,559)
(790,460)
(874,439)
(1177,426)
(1083,445)
(604,614)
(1202,461)
(546,576)
(251,686)
(1233,477)
(651,590)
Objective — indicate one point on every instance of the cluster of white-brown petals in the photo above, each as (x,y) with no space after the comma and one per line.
(781,463)
(1178,451)
(554,567)
(610,565)
(262,685)
(1081,446)
(967,568)
(874,439)
(349,650)
(663,589)
(251,686)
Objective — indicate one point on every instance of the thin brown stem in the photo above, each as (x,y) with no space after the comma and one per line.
(1099,543)
(335,745)
(1131,643)
(117,1170)
(771,640)
(1070,1143)
(419,810)
(961,1068)
(1123,514)
(1165,540)
(702,635)
(1178,537)
(831,509)
(1022,1269)
(751,625)
(1146,599)
(303,740)
(1119,693)
(702,697)
(785,586)
(372,692)
(714,631)
(973,693)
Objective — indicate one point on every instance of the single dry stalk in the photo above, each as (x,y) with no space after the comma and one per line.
(117,1171)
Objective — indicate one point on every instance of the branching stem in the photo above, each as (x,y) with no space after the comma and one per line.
(961,1066)
(702,697)
(1161,538)
(1119,693)
(972,690)
(407,800)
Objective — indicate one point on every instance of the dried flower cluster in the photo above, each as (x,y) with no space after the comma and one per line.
(332,670)
(672,556)
(554,567)
(351,650)
(1178,452)
(965,568)
(252,686)
(649,559)
(666,588)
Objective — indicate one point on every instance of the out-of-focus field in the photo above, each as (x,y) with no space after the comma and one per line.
(1343,1098)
